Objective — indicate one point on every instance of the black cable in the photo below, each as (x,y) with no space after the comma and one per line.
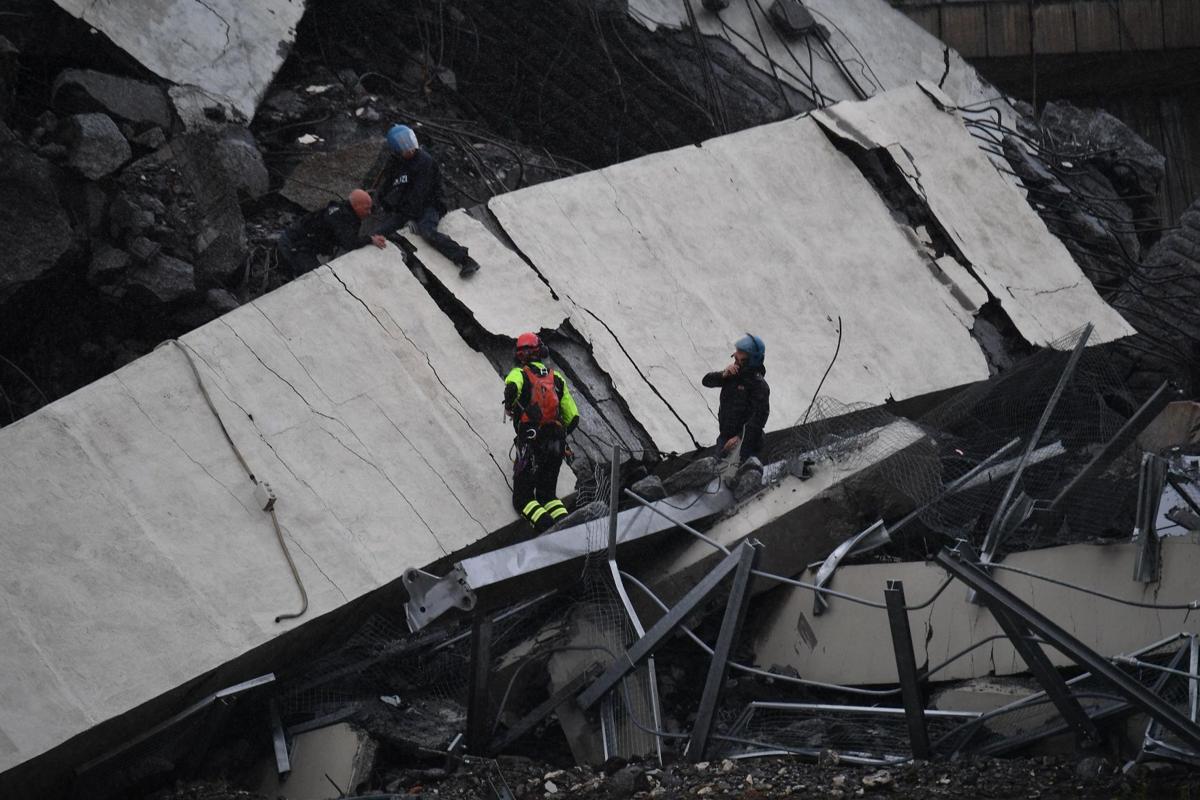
(832,361)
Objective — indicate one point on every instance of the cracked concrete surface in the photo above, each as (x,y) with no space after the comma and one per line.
(230,50)
(131,534)
(951,623)
(771,229)
(998,234)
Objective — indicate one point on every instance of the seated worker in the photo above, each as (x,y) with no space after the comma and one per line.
(745,398)
(543,413)
(332,230)
(410,190)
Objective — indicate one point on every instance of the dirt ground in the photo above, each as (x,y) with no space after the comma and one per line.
(751,779)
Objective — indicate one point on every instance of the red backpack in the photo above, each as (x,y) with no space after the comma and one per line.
(542,408)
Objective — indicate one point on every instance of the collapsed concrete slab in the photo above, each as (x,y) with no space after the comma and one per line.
(134,555)
(227,50)
(1005,244)
(697,241)
(842,645)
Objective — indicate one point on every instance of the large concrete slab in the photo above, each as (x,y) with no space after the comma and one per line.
(882,48)
(662,262)
(1006,245)
(228,49)
(843,645)
(132,555)
(505,296)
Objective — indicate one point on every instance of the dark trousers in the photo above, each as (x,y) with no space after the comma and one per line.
(427,227)
(535,481)
(747,452)
(295,257)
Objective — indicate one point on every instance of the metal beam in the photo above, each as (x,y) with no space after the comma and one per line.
(506,575)
(731,626)
(1051,681)
(994,535)
(629,660)
(1069,646)
(478,719)
(906,669)
(526,723)
(1151,478)
(1116,445)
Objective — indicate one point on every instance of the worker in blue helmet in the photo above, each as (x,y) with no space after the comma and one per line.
(745,398)
(410,190)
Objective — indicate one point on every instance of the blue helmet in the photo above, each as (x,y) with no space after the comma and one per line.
(754,347)
(401,138)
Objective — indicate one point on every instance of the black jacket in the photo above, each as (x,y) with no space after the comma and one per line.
(745,403)
(332,229)
(411,185)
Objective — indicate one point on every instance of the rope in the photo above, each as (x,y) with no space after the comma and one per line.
(186,350)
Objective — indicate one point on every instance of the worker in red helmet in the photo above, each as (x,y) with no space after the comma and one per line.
(543,413)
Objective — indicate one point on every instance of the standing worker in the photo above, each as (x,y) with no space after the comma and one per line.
(332,230)
(411,191)
(745,398)
(543,413)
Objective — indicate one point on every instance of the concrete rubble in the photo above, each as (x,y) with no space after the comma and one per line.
(278,550)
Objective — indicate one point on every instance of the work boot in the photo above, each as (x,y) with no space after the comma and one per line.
(469,266)
(592,511)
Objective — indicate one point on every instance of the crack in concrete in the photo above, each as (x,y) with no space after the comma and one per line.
(285,339)
(313,561)
(638,369)
(225,22)
(1037,292)
(458,407)
(392,483)
(449,488)
(137,404)
(346,528)
(274,372)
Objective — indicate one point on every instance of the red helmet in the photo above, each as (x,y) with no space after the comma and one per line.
(529,347)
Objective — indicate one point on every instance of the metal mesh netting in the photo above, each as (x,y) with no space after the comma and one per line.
(863,735)
(991,422)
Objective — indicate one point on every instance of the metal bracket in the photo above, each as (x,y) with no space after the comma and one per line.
(875,536)
(430,596)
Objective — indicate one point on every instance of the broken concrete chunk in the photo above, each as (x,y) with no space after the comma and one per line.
(35,231)
(698,473)
(238,154)
(83,90)
(649,488)
(1116,147)
(166,278)
(107,263)
(221,300)
(322,177)
(151,139)
(338,754)
(98,148)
